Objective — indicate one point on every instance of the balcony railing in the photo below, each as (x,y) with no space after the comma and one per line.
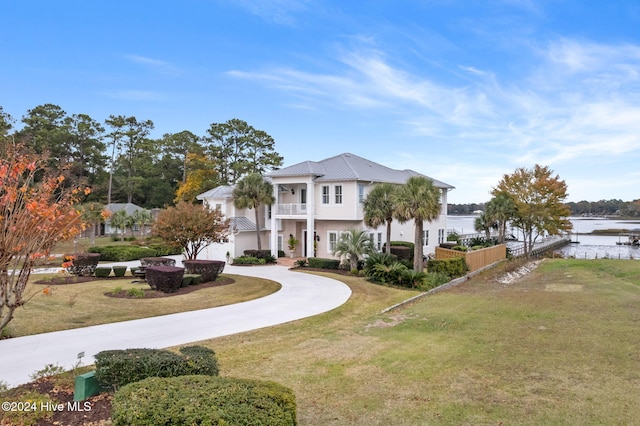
(291,209)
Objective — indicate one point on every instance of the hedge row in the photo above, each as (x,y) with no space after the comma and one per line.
(203,400)
(454,267)
(124,253)
(116,368)
(318,262)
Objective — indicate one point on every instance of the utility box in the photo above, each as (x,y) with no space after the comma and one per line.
(86,386)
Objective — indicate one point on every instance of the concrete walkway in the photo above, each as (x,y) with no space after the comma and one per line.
(301,296)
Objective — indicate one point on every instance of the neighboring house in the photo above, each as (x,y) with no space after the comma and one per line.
(315,202)
(129,208)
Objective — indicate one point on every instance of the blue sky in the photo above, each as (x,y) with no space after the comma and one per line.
(462,91)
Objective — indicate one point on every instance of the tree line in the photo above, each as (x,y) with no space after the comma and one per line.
(581,208)
(121,163)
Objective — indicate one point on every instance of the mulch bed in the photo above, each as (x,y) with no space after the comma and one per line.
(152,294)
(73,279)
(96,411)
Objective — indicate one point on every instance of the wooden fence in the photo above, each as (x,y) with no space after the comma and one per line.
(475,259)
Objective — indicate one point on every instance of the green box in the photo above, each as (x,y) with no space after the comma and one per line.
(86,386)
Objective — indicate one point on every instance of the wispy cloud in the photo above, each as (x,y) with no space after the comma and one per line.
(280,12)
(155,65)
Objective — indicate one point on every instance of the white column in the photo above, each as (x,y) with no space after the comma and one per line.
(311,211)
(273,240)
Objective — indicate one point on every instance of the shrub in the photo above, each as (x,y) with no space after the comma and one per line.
(122,253)
(403,253)
(387,274)
(453,236)
(377,257)
(116,368)
(166,279)
(165,250)
(201,400)
(460,248)
(301,263)
(119,271)
(81,263)
(281,253)
(318,262)
(207,269)
(102,271)
(433,280)
(157,261)
(248,260)
(135,292)
(454,267)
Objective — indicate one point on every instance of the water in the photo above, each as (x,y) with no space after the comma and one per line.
(589,247)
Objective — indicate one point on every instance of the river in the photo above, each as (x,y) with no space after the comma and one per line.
(587,247)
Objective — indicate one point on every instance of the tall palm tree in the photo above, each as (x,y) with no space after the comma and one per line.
(484,223)
(501,209)
(353,244)
(119,221)
(418,199)
(252,191)
(379,207)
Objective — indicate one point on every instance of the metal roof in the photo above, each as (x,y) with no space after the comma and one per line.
(347,166)
(129,208)
(222,191)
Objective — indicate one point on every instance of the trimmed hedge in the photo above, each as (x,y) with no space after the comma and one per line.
(157,261)
(119,271)
(454,267)
(116,368)
(190,279)
(207,269)
(318,262)
(102,271)
(248,260)
(203,400)
(122,253)
(166,279)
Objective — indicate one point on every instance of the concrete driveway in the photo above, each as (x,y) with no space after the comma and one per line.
(301,296)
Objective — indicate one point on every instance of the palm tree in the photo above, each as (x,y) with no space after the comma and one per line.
(353,244)
(142,218)
(119,221)
(250,192)
(501,209)
(418,199)
(484,223)
(379,207)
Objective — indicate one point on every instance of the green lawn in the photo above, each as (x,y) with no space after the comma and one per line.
(559,347)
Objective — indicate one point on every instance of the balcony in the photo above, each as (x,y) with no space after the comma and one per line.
(291,209)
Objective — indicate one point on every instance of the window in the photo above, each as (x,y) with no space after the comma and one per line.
(361,192)
(425,237)
(280,242)
(333,240)
(440,236)
(325,195)
(338,190)
(219,207)
(379,245)
(269,211)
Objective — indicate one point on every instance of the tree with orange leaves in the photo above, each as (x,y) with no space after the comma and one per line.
(35,214)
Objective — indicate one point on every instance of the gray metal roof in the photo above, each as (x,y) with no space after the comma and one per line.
(347,166)
(222,191)
(129,208)
(242,224)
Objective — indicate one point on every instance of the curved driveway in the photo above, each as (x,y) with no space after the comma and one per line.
(301,296)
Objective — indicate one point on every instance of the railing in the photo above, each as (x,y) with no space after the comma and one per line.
(291,209)
(517,249)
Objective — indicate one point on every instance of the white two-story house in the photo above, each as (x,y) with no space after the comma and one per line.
(314,202)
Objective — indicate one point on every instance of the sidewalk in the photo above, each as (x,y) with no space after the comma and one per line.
(302,295)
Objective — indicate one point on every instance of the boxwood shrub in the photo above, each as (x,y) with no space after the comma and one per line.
(102,271)
(318,262)
(454,267)
(166,279)
(203,400)
(116,368)
(248,260)
(122,253)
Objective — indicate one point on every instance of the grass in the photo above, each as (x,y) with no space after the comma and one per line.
(558,347)
(80,305)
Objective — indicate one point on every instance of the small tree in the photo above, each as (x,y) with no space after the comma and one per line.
(191,227)
(539,200)
(353,245)
(34,216)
